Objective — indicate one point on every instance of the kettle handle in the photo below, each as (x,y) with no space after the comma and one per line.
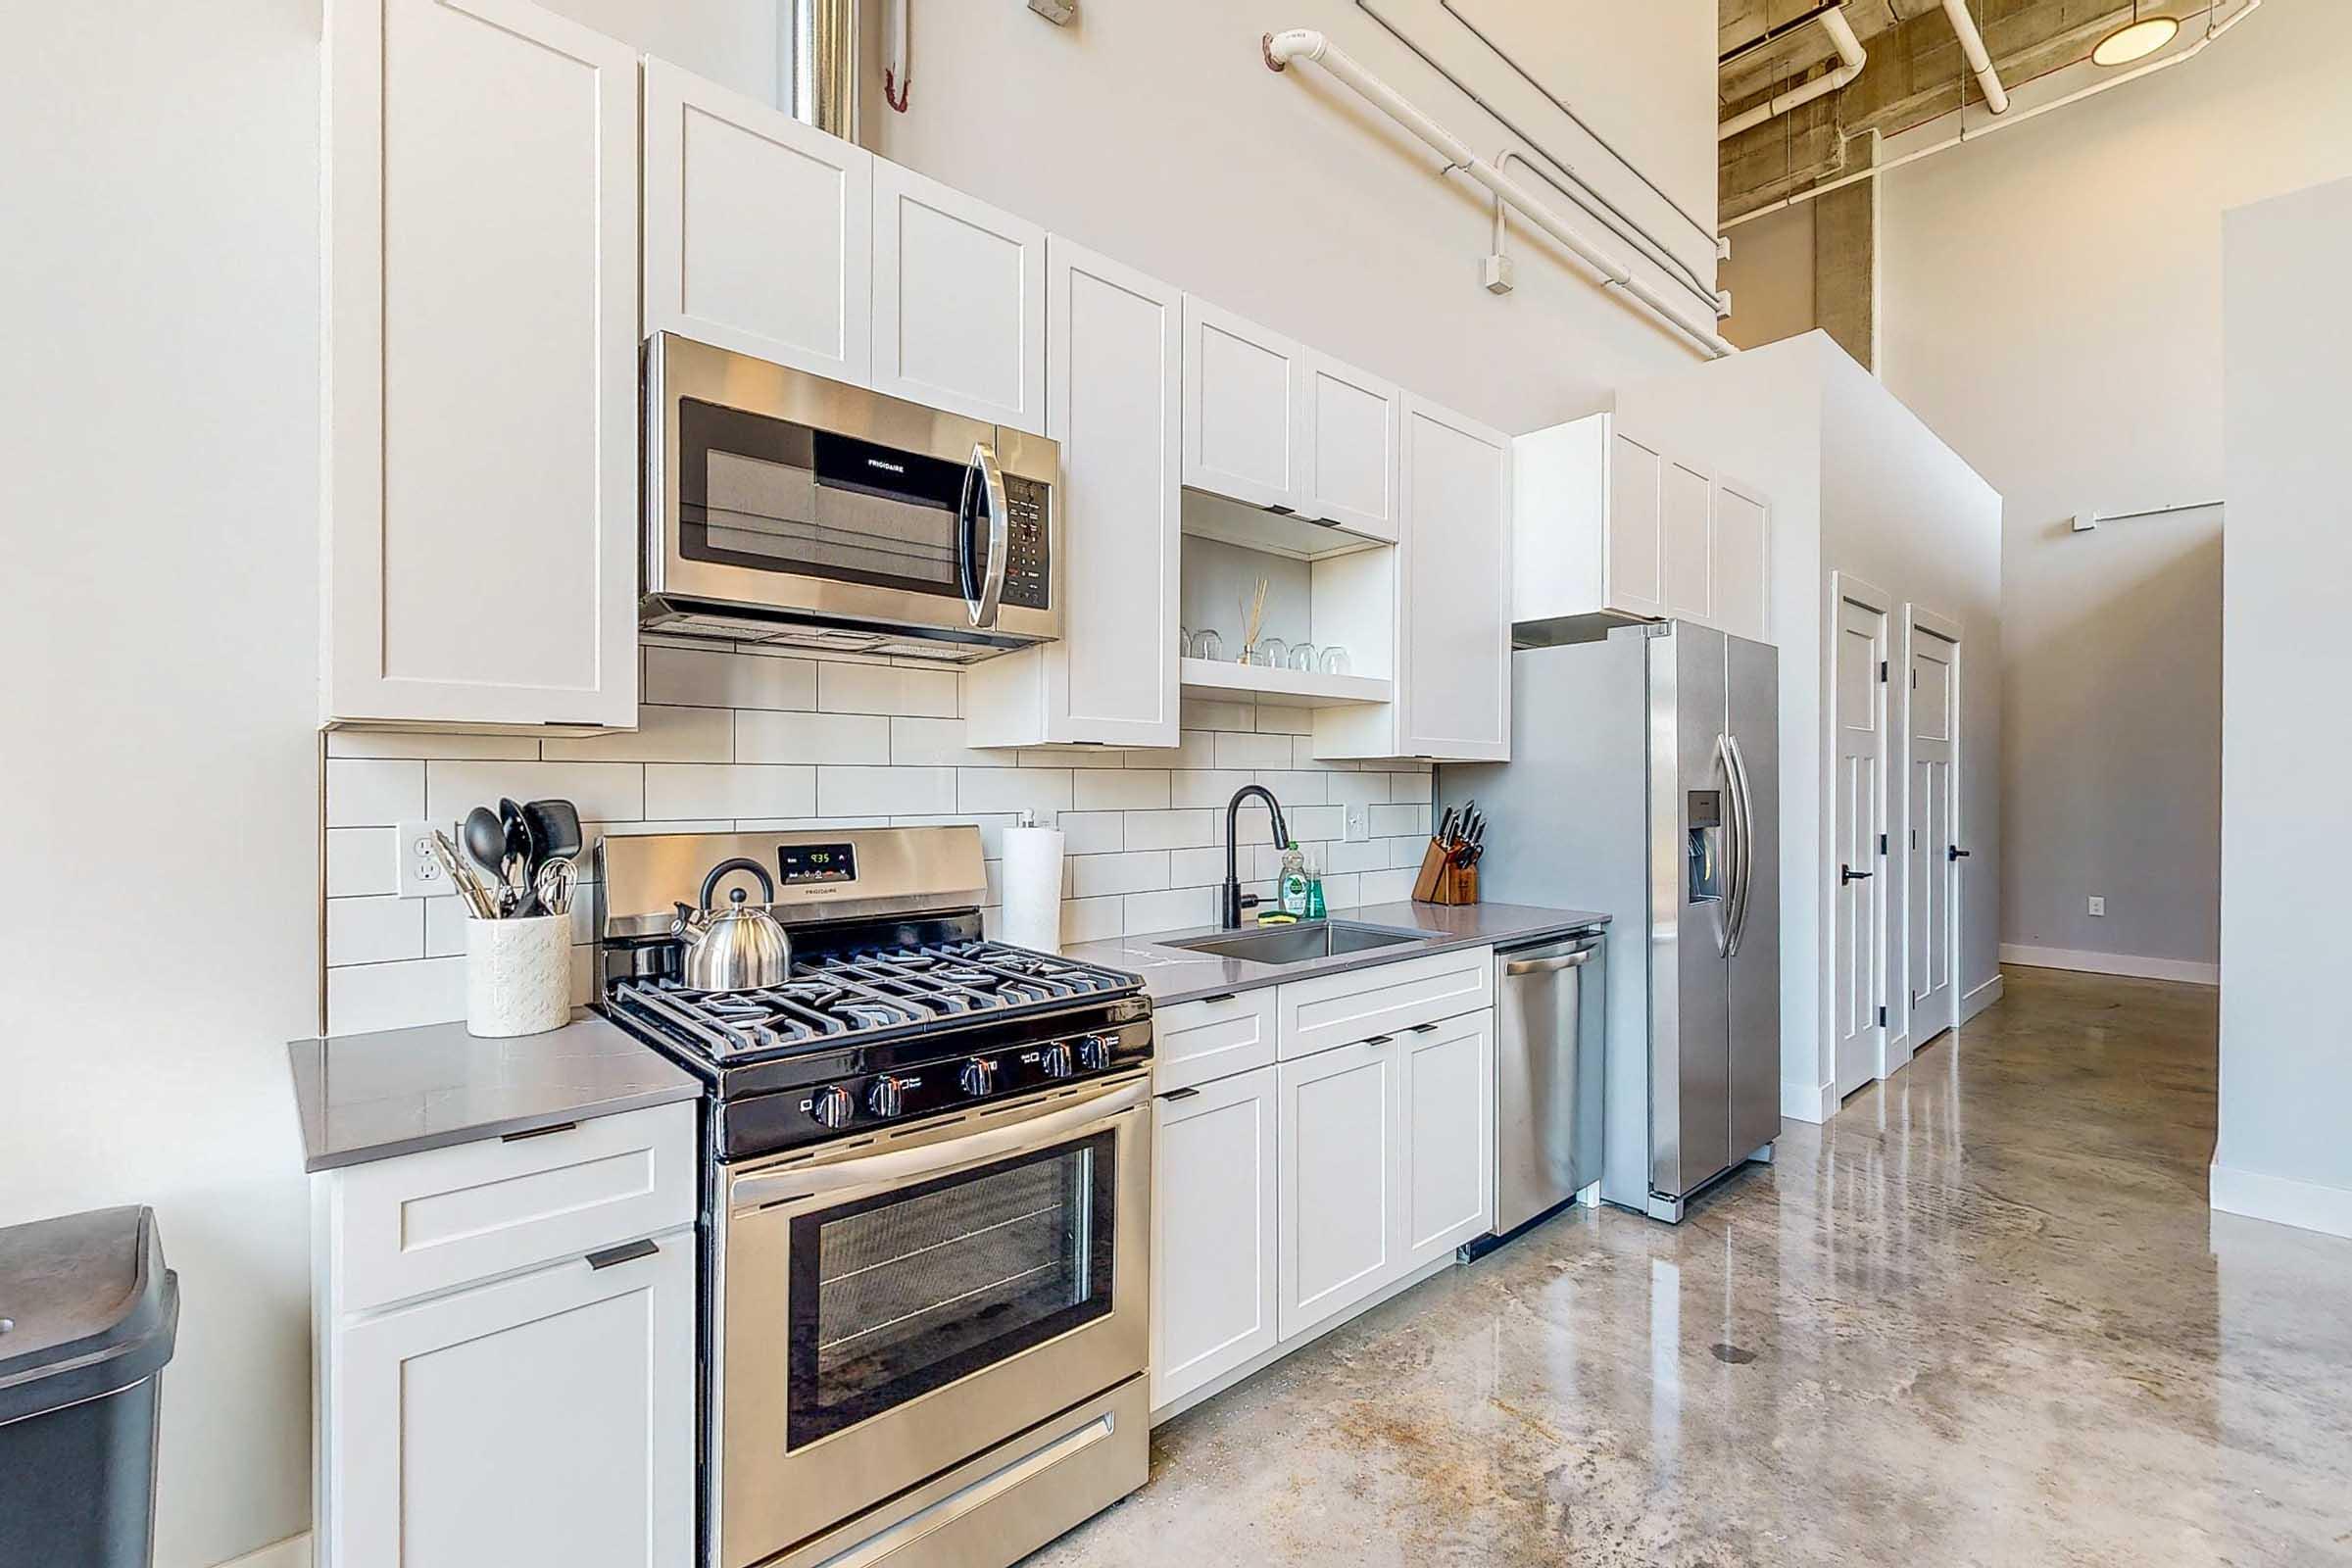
(741,863)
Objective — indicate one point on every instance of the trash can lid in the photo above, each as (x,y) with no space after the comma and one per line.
(86,1308)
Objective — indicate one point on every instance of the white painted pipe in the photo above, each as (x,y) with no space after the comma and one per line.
(2213,33)
(1305,43)
(1851,58)
(896,83)
(1972,48)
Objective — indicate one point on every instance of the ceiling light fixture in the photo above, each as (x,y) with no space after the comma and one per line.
(2136,39)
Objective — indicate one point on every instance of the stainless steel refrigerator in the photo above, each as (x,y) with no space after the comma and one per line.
(1644,781)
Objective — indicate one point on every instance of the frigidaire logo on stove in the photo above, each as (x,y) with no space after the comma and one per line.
(886,467)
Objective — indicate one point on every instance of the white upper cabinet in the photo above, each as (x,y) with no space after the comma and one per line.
(481,433)
(1455,676)
(758,229)
(1244,409)
(1112,387)
(1351,427)
(960,302)
(1608,526)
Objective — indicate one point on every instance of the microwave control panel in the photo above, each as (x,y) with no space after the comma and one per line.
(1028,570)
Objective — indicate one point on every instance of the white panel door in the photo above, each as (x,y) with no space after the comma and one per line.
(547,1418)
(1339,1237)
(1635,585)
(1455,608)
(1351,429)
(1858,955)
(1244,432)
(1686,542)
(1212,1231)
(1113,399)
(1446,1099)
(1742,563)
(960,302)
(481,531)
(758,229)
(1934,835)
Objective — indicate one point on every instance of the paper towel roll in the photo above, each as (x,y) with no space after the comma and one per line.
(1033,888)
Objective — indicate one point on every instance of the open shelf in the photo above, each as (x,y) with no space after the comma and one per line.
(1282,688)
(1206,515)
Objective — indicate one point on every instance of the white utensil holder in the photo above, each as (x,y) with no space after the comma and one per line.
(517,976)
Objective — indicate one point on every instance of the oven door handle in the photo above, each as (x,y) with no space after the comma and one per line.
(901,1166)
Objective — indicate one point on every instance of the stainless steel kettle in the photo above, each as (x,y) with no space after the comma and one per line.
(740,948)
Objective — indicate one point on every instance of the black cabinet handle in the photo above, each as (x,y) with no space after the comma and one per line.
(1213,1000)
(539,1132)
(626,1253)
(1955,853)
(1847,873)
(1182,1093)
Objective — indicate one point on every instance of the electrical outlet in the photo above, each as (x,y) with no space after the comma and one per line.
(420,875)
(1359,823)
(2098,904)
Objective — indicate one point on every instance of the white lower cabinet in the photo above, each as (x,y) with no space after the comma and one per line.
(547,1418)
(1212,1232)
(1447,1104)
(1336,1238)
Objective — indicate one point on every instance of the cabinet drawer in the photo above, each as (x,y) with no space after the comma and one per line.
(1194,1042)
(1338,1009)
(422,1223)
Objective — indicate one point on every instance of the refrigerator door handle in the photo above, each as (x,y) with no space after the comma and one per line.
(1735,852)
(1743,814)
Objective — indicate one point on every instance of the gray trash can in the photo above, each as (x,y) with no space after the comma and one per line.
(87,1318)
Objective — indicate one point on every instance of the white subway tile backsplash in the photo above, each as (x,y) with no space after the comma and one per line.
(1384,887)
(482,748)
(992,826)
(1013,789)
(1170,830)
(1252,751)
(1276,721)
(1357,789)
(1372,854)
(1308,823)
(445,926)
(1407,852)
(591,831)
(1409,787)
(664,734)
(1196,868)
(1172,909)
(939,742)
(1293,789)
(732,790)
(364,998)
(1342,890)
(1092,919)
(1124,790)
(1195,747)
(375,930)
(371,793)
(706,678)
(1389,822)
(886,791)
(1133,871)
(605,792)
(1097,757)
(1093,832)
(843,688)
(1200,714)
(834,738)
(1191,787)
(362,860)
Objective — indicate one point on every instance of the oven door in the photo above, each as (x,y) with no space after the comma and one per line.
(893,1308)
(777,493)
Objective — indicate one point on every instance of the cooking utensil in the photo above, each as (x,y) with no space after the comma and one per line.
(740,948)
(556,827)
(557,880)
(464,878)
(485,840)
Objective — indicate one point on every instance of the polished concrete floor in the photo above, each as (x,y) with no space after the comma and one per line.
(1981,1317)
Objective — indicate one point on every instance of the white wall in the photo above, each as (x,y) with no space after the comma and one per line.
(2285,1074)
(2052,302)
(1154,134)
(1857,483)
(159,437)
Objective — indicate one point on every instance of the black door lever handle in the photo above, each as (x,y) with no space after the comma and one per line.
(1847,873)
(1955,853)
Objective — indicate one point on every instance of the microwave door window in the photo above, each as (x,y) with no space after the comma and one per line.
(781,497)
(893,1297)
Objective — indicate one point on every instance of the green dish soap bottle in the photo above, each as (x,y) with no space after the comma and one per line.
(1293,882)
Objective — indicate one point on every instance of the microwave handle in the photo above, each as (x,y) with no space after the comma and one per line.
(988,479)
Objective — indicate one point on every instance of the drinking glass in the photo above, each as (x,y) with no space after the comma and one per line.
(1334,661)
(1270,653)
(1302,658)
(1207,644)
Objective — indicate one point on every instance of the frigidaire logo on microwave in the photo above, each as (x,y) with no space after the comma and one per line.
(886,467)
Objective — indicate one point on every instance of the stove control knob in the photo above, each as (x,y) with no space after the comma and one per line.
(1094,1053)
(1055,1059)
(979,1077)
(833,1107)
(887,1098)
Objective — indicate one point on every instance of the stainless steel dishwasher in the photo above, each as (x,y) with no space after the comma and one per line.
(1550,1011)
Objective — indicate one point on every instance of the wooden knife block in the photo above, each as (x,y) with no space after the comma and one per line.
(1441,881)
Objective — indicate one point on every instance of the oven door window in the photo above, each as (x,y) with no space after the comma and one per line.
(894,1296)
(776,496)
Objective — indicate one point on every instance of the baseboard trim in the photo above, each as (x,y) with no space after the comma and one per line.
(2128,964)
(1813,1103)
(1976,1001)
(2281,1199)
(292,1552)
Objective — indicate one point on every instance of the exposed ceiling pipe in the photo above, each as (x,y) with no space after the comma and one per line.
(824,64)
(1850,59)
(898,78)
(1305,43)
(1972,47)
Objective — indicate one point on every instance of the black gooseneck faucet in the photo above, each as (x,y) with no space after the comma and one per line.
(1232,900)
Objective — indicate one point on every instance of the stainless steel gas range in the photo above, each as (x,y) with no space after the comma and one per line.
(927,1228)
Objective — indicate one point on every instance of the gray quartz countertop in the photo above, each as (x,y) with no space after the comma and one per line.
(1172,974)
(374,1097)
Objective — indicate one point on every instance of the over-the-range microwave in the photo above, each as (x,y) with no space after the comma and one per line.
(784,508)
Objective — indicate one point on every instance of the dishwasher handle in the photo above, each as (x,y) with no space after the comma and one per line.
(1566,961)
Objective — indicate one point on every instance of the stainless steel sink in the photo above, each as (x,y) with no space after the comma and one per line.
(1298,944)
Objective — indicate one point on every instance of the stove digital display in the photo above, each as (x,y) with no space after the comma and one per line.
(804,863)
